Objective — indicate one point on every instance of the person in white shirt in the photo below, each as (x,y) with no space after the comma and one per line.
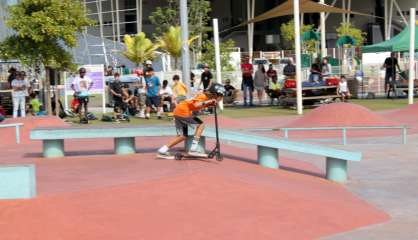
(166,94)
(343,90)
(81,86)
(19,86)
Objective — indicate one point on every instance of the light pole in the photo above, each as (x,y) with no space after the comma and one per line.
(185,61)
(298,58)
(411,56)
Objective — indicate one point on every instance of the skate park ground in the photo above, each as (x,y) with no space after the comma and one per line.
(92,194)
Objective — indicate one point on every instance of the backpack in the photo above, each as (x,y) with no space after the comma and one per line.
(107,118)
(90,116)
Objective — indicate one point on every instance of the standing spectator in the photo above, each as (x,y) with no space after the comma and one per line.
(19,86)
(153,86)
(148,64)
(116,91)
(179,89)
(326,68)
(390,65)
(140,94)
(315,75)
(81,86)
(289,70)
(206,78)
(260,78)
(343,90)
(192,81)
(271,73)
(125,70)
(12,75)
(35,105)
(247,85)
(166,94)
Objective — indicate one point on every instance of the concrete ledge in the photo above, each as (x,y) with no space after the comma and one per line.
(17,181)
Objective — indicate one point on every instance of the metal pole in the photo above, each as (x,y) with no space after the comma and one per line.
(298,57)
(411,56)
(17,134)
(185,61)
(404,134)
(217,50)
(323,34)
(386,20)
(344,133)
(390,20)
(139,15)
(117,21)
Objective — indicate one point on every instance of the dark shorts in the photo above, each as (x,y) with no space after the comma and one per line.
(182,124)
(83,100)
(156,101)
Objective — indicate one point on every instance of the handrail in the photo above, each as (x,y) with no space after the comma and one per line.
(344,130)
(17,128)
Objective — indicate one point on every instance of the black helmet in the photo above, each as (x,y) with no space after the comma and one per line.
(217,89)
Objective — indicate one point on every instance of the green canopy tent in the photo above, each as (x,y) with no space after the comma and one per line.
(399,43)
(346,40)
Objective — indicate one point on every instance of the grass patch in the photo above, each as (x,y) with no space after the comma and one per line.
(133,121)
(381,104)
(267,111)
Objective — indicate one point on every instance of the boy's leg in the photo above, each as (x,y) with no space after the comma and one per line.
(15,106)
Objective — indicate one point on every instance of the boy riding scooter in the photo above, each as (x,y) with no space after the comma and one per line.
(183,116)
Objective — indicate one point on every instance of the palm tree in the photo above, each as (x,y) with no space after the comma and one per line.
(139,48)
(170,42)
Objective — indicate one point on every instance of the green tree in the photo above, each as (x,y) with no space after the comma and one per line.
(139,48)
(226,48)
(288,34)
(44,31)
(171,43)
(165,17)
(349,30)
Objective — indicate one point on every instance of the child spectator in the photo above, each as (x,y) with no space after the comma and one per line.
(343,90)
(153,86)
(35,105)
(128,100)
(179,89)
(274,90)
(230,92)
(19,86)
(116,91)
(166,94)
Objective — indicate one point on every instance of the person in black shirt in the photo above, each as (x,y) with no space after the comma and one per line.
(231,92)
(315,75)
(289,70)
(390,65)
(117,94)
(12,76)
(206,78)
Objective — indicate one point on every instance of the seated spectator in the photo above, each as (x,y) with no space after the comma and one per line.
(179,89)
(289,70)
(274,90)
(35,105)
(231,93)
(343,90)
(315,75)
(166,94)
(128,98)
(326,69)
(140,96)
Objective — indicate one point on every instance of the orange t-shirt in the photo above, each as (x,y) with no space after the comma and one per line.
(185,108)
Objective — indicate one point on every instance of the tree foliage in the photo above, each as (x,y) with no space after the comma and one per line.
(169,15)
(226,48)
(44,30)
(288,34)
(171,43)
(349,30)
(139,48)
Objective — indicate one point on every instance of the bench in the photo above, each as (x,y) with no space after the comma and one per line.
(17,128)
(336,160)
(17,181)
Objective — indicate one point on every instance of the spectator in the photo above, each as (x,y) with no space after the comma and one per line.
(166,94)
(117,94)
(125,70)
(289,70)
(260,78)
(326,69)
(19,86)
(148,64)
(231,92)
(109,71)
(192,81)
(315,75)
(35,105)
(140,95)
(390,65)
(153,93)
(128,99)
(271,73)
(81,86)
(206,78)
(179,89)
(343,90)
(274,90)
(12,75)
(247,85)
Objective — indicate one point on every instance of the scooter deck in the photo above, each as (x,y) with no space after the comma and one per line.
(181,155)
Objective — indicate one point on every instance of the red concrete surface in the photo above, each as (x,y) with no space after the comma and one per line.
(93,194)
(407,115)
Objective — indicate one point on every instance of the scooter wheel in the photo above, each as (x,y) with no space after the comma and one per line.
(178,156)
(211,155)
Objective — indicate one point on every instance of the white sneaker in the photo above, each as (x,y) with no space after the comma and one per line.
(165,155)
